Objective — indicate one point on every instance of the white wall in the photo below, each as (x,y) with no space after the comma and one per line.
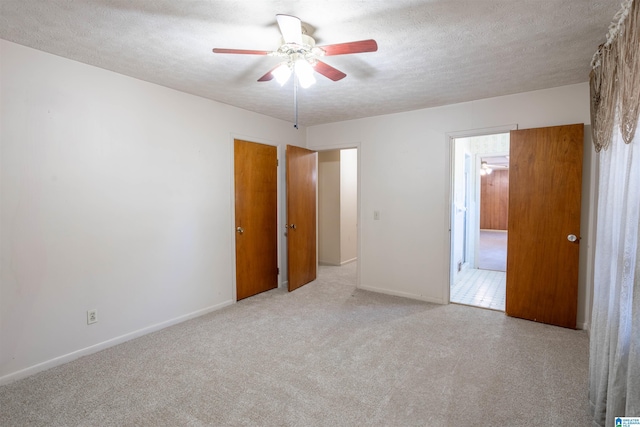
(337,206)
(405,174)
(348,205)
(116,195)
(329,207)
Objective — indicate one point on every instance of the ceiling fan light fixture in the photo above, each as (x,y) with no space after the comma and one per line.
(485,169)
(282,73)
(304,73)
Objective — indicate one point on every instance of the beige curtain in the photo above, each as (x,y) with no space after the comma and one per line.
(614,356)
(615,79)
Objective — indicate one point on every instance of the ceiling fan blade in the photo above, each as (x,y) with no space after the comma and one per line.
(350,47)
(268,76)
(291,28)
(328,71)
(242,51)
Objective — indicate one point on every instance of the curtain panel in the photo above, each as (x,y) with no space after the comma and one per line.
(614,362)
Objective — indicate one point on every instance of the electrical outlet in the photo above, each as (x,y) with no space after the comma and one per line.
(92,316)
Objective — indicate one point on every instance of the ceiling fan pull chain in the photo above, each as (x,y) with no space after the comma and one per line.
(295,98)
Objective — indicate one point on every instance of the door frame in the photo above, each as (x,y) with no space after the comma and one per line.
(450,138)
(358,147)
(232,227)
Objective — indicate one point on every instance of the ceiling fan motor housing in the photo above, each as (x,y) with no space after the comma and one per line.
(294,51)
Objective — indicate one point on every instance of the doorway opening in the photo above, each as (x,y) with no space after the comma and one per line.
(480,196)
(338,213)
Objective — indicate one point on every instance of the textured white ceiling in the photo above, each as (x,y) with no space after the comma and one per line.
(430,53)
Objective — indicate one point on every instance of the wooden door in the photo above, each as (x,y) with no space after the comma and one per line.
(256,197)
(302,177)
(544,212)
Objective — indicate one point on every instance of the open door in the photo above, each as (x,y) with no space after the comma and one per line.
(544,224)
(302,178)
(256,198)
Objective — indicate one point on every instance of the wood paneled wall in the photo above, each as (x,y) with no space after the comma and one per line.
(494,200)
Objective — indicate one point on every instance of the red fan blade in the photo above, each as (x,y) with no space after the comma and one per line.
(351,47)
(328,71)
(268,76)
(242,51)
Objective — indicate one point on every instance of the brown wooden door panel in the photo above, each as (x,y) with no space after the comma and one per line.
(256,197)
(544,209)
(302,177)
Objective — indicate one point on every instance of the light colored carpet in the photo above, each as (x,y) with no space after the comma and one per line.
(324,355)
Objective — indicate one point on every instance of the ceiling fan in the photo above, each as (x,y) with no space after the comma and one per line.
(301,55)
(486,168)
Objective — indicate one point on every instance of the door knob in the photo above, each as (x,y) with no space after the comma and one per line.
(240,230)
(572,237)
(292,226)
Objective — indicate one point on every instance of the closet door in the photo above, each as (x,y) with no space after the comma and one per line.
(256,198)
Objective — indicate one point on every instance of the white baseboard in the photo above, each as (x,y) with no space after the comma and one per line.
(61,360)
(341,263)
(401,294)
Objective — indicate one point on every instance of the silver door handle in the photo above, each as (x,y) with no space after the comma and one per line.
(240,230)
(572,237)
(292,226)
